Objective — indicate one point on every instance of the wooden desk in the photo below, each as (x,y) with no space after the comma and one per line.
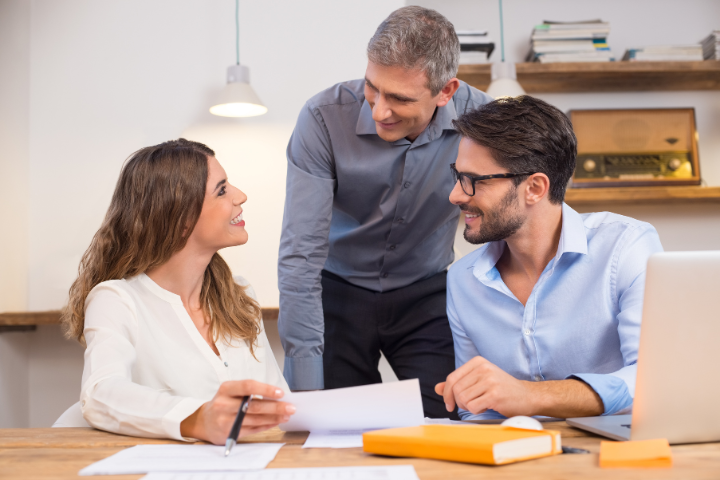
(45,453)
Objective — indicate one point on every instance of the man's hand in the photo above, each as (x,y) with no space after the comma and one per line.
(213,420)
(480,385)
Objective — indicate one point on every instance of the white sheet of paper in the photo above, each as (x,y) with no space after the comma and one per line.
(335,439)
(353,438)
(185,458)
(369,407)
(395,472)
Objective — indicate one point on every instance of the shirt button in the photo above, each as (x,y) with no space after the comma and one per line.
(392,247)
(401,220)
(384,275)
(538,378)
(226,364)
(527,332)
(407,185)
(83,403)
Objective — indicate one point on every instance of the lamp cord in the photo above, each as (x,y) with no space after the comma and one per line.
(502,34)
(237,31)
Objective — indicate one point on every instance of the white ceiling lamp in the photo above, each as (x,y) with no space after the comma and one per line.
(503,77)
(238,99)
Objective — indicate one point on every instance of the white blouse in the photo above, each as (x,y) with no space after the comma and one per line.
(147,368)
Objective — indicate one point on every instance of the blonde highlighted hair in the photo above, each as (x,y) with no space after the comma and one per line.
(155,207)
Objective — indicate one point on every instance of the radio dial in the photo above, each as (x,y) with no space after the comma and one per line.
(674,164)
(589,165)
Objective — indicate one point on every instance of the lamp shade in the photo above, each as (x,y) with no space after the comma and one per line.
(504,81)
(237,98)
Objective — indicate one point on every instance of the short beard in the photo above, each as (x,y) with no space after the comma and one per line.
(497,225)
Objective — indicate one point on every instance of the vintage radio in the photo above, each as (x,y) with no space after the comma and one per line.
(649,147)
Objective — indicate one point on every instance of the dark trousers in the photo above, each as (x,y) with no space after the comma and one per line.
(409,325)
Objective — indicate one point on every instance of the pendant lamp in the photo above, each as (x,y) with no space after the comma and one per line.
(503,77)
(238,99)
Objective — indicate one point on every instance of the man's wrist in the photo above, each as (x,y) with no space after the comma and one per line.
(563,398)
(539,398)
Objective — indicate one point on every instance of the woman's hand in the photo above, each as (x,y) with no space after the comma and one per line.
(213,420)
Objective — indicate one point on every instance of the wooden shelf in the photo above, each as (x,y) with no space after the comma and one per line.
(24,321)
(644,195)
(604,76)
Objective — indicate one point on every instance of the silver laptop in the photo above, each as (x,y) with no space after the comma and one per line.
(677,393)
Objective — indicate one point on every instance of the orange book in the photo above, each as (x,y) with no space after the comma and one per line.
(643,454)
(486,444)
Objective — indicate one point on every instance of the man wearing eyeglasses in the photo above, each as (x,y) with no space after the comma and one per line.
(546,314)
(367,234)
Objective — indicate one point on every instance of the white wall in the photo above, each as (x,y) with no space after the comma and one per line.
(14,155)
(14,131)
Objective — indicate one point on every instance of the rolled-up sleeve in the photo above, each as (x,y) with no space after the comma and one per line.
(304,250)
(617,389)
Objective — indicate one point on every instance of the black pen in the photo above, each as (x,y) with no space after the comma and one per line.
(574,450)
(235,430)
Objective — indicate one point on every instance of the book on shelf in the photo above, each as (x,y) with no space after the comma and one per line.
(473,57)
(583,41)
(472,36)
(589,29)
(711,46)
(664,53)
(575,57)
(475,46)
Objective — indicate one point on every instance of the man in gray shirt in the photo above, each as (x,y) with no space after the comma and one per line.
(368,232)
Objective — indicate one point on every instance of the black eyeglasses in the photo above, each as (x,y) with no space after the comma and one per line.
(467,181)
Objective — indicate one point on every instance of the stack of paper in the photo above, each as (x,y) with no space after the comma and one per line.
(664,53)
(475,46)
(584,41)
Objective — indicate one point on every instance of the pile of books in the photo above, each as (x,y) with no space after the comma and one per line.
(475,46)
(711,46)
(570,42)
(666,53)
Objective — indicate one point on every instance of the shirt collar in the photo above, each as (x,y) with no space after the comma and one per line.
(158,291)
(572,239)
(572,236)
(365,124)
(489,255)
(442,120)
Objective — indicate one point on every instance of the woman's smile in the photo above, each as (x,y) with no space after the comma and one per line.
(238,220)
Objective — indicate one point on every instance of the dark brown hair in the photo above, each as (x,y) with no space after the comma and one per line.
(525,134)
(155,207)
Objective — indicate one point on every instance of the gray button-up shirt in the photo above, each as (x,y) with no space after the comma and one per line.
(375,213)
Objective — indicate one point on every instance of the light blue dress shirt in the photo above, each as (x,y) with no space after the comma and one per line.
(582,319)
(375,213)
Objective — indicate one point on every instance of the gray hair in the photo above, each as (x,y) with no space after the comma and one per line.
(414,37)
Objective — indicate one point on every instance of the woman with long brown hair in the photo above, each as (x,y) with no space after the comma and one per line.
(173,341)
